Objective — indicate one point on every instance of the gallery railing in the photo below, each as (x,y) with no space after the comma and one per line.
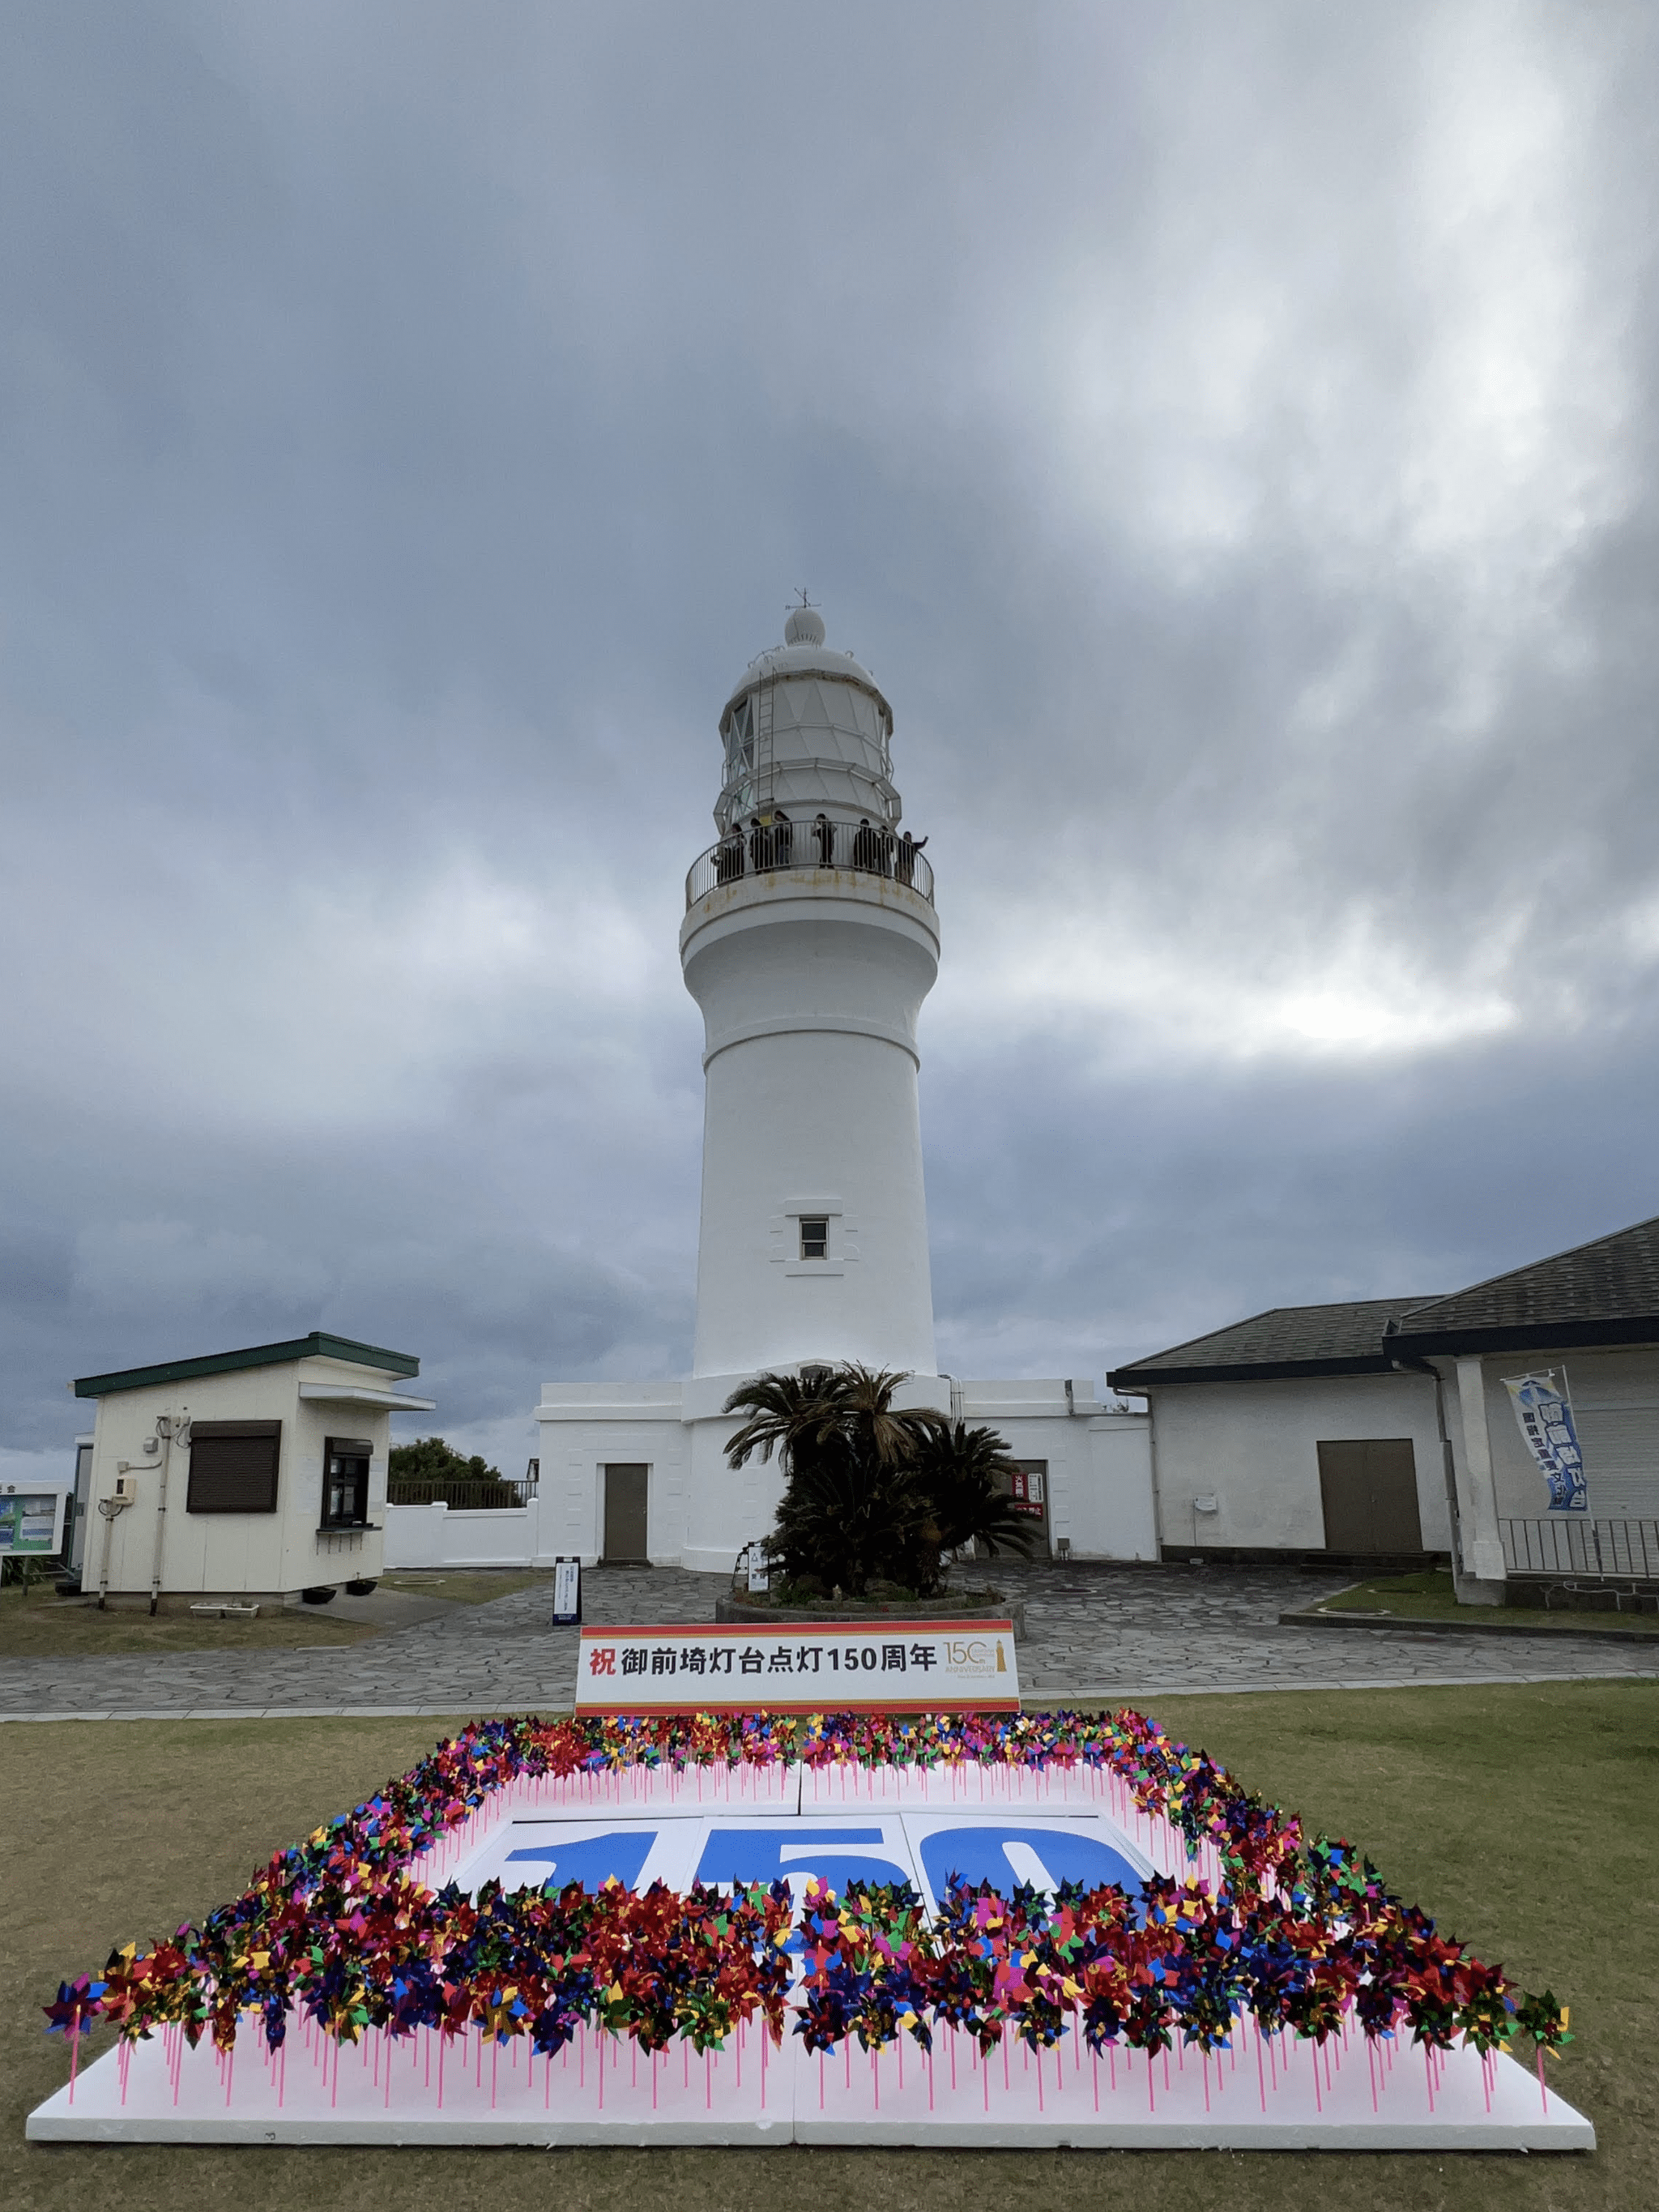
(859,848)
(1564,1544)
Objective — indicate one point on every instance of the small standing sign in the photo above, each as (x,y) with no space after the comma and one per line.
(567,1593)
(800,1667)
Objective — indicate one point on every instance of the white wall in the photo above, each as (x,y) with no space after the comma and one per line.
(810,998)
(587,1425)
(433,1536)
(1100,1486)
(1113,1514)
(702,1511)
(1253,1447)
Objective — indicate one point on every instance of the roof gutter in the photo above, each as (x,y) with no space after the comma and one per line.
(1531,1336)
(1138,1380)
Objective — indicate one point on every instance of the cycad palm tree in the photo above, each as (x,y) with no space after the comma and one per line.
(964,1473)
(870,1490)
(786,1414)
(843,1522)
(851,1508)
(795,1414)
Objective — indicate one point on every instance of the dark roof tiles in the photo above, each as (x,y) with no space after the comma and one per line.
(1611,1278)
(1346,1337)
(1606,1292)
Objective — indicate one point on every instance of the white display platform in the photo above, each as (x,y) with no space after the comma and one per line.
(756,1825)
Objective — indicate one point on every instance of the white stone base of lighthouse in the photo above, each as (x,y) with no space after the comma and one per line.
(1094,1468)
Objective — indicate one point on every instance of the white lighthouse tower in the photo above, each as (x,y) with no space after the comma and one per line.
(810,942)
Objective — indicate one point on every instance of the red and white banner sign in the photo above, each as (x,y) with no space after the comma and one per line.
(800,1667)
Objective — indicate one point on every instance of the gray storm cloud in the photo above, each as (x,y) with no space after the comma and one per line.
(1228,434)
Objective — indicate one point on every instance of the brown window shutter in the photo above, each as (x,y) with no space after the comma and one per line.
(232,1466)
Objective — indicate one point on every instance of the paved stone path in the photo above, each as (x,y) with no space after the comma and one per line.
(1093,1637)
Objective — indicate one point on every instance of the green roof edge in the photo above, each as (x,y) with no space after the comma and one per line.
(319,1345)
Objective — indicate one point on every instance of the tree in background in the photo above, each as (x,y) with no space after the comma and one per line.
(872,1493)
(429,1472)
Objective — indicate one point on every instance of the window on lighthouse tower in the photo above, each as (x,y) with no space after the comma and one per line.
(814,1237)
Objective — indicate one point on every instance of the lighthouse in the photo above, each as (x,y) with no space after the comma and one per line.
(809,941)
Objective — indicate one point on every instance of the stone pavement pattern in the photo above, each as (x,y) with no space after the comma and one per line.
(1093,1637)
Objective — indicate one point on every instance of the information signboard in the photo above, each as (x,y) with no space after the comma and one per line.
(794,1667)
(567,1592)
(31,1522)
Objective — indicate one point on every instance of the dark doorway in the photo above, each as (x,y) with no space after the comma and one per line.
(1369,1486)
(625,1485)
(1029,1489)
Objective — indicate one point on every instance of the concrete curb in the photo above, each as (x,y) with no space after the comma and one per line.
(1419,1627)
(730,1610)
(1106,1696)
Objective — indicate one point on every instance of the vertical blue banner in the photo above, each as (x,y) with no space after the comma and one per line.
(1545,1414)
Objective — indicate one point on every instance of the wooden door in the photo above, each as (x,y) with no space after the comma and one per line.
(1368,1488)
(626,1484)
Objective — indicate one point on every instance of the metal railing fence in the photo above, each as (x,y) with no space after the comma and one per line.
(464,1496)
(858,847)
(1569,1544)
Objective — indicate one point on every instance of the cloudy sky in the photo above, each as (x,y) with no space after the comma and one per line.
(1229,435)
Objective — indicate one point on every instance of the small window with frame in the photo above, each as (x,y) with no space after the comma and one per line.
(345,1482)
(814,1237)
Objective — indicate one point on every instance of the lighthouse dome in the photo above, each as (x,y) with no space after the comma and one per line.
(806,726)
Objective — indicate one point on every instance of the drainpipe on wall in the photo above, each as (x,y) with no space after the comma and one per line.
(164,1431)
(1152,1470)
(111,1510)
(167,1429)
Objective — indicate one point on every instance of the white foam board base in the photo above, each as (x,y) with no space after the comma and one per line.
(385,2093)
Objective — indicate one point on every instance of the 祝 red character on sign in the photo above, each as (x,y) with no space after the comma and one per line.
(603,1660)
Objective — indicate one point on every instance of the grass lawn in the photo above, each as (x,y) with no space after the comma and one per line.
(37,1625)
(1522,1817)
(1429,1596)
(461,1586)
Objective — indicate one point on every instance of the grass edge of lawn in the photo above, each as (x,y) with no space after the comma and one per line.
(1443,1610)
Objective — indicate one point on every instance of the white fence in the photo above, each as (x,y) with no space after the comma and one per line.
(433,1536)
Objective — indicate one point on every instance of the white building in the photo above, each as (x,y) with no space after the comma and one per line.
(1398,1429)
(810,940)
(1295,1432)
(249,1475)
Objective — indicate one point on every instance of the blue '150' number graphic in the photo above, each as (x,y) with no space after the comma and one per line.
(842,1855)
